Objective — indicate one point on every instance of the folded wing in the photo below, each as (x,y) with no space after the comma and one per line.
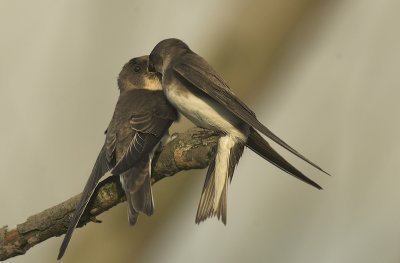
(102,166)
(199,73)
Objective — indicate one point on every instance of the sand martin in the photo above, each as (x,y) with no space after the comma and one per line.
(141,119)
(201,95)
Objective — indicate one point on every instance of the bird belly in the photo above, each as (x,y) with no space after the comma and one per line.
(205,112)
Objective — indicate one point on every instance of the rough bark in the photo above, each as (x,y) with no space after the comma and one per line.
(190,150)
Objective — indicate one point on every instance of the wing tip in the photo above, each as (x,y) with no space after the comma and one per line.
(317,167)
(61,252)
(318,187)
(306,180)
(309,181)
(66,240)
(325,172)
(263,129)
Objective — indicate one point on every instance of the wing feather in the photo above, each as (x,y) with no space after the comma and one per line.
(148,129)
(262,148)
(101,167)
(199,73)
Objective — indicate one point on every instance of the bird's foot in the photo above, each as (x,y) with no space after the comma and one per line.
(95,220)
(165,140)
(172,137)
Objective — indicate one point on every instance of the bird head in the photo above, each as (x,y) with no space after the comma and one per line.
(135,75)
(163,53)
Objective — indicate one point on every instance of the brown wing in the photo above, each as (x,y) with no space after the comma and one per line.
(101,167)
(149,129)
(199,73)
(262,148)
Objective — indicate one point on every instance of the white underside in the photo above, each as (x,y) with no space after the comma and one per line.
(206,113)
(225,145)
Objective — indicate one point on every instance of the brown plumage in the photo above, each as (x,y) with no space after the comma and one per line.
(200,94)
(141,118)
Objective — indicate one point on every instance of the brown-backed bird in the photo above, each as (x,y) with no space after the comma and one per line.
(141,119)
(201,95)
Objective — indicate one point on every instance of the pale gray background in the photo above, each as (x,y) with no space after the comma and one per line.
(324,75)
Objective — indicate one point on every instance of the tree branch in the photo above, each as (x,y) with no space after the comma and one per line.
(190,150)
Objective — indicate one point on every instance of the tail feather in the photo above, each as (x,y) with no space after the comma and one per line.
(137,185)
(213,201)
(206,205)
(260,146)
(221,210)
(222,163)
(206,208)
(147,193)
(133,214)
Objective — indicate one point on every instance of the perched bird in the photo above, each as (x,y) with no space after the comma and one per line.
(141,119)
(201,95)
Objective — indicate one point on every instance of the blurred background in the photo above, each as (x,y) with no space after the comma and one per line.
(323,75)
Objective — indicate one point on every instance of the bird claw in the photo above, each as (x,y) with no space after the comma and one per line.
(95,220)
(172,137)
(168,139)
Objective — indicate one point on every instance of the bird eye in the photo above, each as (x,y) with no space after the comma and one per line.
(137,68)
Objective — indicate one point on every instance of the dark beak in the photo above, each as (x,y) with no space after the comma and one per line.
(151,68)
(159,76)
